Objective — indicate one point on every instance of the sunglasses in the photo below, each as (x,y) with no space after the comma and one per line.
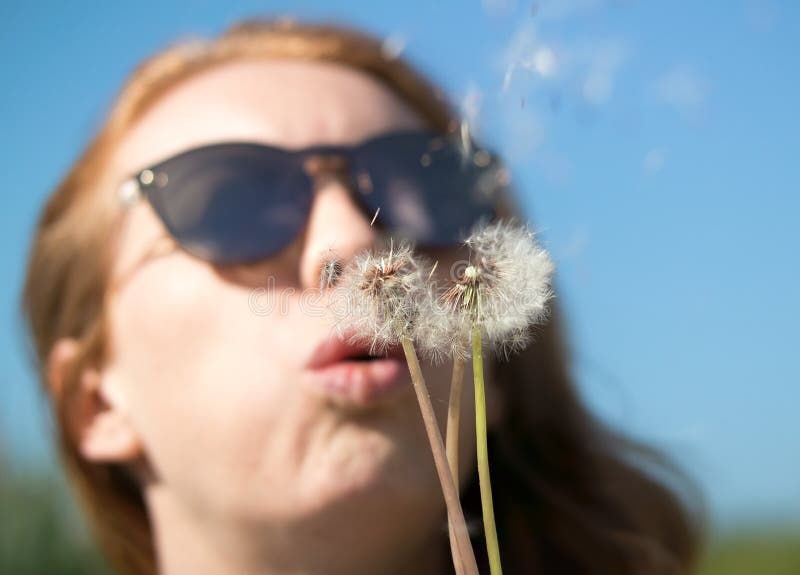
(232,203)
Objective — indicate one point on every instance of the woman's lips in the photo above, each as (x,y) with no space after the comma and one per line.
(350,376)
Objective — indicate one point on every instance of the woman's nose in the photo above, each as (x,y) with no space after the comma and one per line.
(336,223)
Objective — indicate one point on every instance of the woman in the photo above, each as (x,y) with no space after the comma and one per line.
(196,426)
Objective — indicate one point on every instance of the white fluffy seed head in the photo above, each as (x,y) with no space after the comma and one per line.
(504,289)
(380,297)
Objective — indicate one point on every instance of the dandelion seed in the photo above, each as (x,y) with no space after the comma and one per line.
(330,270)
(433,269)
(464,142)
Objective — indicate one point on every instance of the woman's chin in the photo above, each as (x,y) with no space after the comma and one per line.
(364,467)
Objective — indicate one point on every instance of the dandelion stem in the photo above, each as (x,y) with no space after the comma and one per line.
(489,527)
(453,417)
(464,558)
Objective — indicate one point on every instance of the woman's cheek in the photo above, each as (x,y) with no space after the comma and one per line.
(206,389)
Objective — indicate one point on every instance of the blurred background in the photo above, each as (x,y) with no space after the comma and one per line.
(655,147)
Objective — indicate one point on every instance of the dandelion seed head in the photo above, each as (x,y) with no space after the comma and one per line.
(504,289)
(383,294)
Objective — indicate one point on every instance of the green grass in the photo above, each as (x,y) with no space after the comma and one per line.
(762,552)
(40,532)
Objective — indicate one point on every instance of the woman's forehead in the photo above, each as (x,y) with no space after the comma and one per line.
(288,103)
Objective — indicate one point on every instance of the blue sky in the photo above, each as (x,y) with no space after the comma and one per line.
(654,144)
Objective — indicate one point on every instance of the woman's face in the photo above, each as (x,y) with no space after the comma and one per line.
(215,390)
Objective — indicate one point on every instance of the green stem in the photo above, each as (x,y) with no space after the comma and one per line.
(464,558)
(489,527)
(453,418)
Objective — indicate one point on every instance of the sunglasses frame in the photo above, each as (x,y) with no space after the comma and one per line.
(323,159)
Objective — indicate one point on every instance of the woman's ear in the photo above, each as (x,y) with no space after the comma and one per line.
(97,416)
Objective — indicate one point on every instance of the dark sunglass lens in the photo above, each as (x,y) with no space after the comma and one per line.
(231,203)
(428,188)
